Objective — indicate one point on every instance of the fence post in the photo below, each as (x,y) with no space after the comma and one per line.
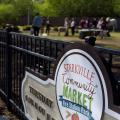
(8,68)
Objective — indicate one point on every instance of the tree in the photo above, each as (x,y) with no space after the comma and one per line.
(6,12)
(116,7)
(7,1)
(82,7)
(22,7)
(16,9)
(45,9)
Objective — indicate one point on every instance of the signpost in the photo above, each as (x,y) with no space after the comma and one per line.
(79,90)
(78,86)
(39,98)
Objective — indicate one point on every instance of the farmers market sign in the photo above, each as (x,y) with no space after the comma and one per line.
(38,96)
(78,86)
(79,89)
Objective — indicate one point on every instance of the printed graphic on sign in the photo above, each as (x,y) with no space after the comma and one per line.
(78,87)
(39,98)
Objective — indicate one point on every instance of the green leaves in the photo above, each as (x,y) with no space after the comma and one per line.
(82,7)
(6,12)
(22,6)
(15,9)
(116,7)
(45,9)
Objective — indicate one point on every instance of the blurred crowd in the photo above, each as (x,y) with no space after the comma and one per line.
(89,23)
(43,24)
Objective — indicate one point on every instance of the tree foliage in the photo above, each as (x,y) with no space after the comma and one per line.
(23,6)
(116,7)
(15,9)
(6,12)
(82,7)
(45,9)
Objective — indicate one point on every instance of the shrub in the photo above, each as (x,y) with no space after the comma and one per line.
(27,27)
(55,28)
(16,29)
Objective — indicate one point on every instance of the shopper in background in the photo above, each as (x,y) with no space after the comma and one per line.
(37,22)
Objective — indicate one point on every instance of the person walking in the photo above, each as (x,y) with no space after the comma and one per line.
(72,26)
(47,26)
(100,22)
(37,22)
(66,25)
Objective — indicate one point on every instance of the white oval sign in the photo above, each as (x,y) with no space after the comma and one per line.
(78,87)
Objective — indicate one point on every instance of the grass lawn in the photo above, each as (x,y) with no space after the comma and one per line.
(108,42)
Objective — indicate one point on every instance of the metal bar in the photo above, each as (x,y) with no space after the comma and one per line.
(3,43)
(17,79)
(106,50)
(56,48)
(3,93)
(14,69)
(20,77)
(8,69)
(50,49)
(110,60)
(33,53)
(40,46)
(18,109)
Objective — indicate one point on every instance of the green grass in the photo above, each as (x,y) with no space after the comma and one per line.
(112,42)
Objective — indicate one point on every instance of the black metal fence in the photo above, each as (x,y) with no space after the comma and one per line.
(18,52)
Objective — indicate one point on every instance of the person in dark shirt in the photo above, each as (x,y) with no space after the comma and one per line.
(37,22)
(47,26)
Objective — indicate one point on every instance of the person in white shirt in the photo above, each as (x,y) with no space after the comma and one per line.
(100,22)
(72,26)
(47,26)
(66,25)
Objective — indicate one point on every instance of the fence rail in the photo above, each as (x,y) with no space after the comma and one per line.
(18,52)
